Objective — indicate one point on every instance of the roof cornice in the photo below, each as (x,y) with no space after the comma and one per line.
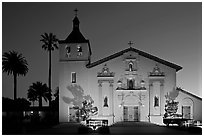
(144,54)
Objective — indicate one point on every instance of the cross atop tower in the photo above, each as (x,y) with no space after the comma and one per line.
(76,10)
(130,43)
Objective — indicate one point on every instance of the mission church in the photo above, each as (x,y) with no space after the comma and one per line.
(129,85)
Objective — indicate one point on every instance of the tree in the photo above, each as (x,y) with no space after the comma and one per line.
(55,101)
(15,64)
(83,104)
(21,103)
(56,94)
(11,105)
(38,91)
(49,44)
(32,97)
(171,105)
(88,110)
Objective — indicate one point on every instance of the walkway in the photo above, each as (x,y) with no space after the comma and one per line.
(120,128)
(145,128)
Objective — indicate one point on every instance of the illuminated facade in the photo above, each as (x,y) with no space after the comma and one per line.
(129,85)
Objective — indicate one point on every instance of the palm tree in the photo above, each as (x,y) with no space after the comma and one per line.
(15,64)
(32,97)
(38,91)
(49,44)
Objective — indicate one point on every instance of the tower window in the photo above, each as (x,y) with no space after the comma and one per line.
(156,101)
(68,50)
(73,77)
(79,50)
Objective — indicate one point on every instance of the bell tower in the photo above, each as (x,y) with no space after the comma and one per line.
(74,55)
(75,47)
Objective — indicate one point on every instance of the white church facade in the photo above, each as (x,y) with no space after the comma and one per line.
(129,85)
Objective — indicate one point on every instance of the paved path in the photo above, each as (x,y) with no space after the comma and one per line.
(61,129)
(145,128)
(121,128)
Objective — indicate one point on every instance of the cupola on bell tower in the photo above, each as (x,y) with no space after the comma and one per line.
(75,47)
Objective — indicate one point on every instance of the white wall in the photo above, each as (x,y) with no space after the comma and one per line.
(87,79)
(197,105)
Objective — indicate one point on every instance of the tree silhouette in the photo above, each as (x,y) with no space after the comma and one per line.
(38,91)
(15,64)
(49,44)
(32,97)
(12,105)
(55,101)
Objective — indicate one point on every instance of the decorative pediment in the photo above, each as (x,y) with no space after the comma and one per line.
(156,71)
(105,72)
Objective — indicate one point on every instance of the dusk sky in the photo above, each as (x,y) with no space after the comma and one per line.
(171,31)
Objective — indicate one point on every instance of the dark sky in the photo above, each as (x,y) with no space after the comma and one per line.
(171,31)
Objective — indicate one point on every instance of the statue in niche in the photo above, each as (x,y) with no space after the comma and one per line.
(130,66)
(105,102)
(130,84)
(156,101)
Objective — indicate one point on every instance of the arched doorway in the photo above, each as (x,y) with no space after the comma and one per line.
(131,110)
(187,108)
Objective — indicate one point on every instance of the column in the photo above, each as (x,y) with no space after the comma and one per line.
(150,98)
(111,98)
(162,100)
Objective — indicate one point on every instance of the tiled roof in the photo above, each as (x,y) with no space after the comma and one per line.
(186,92)
(144,54)
(75,36)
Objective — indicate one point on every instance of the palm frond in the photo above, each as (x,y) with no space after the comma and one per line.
(38,90)
(49,41)
(14,63)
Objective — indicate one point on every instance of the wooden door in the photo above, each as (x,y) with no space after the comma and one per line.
(130,113)
(136,114)
(125,113)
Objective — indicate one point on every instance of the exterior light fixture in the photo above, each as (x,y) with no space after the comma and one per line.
(142,82)
(119,83)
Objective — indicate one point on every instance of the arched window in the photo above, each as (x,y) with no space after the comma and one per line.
(187,108)
(73,77)
(130,66)
(68,50)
